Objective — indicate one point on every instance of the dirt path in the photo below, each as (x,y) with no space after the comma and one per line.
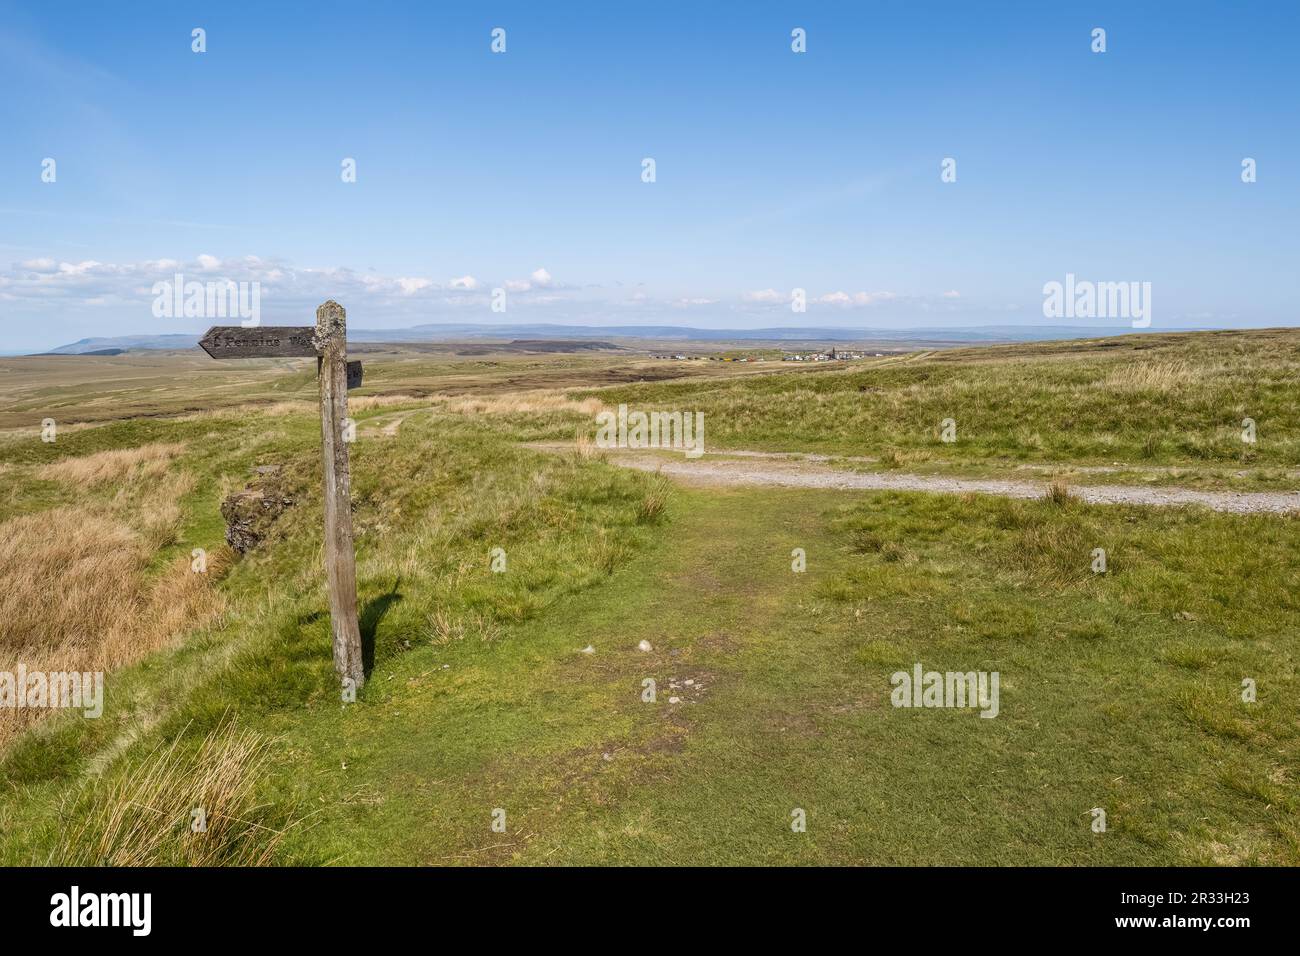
(794,470)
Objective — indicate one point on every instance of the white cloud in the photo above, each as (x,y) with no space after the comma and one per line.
(290,293)
(410,286)
(90,280)
(843,299)
(538,279)
(952,294)
(81,268)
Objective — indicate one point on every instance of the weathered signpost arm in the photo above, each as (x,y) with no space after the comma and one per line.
(330,341)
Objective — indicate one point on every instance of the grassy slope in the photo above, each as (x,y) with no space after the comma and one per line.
(95,389)
(1119,691)
(426,519)
(1142,401)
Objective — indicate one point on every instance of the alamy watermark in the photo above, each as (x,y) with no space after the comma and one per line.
(221,299)
(53,689)
(75,908)
(1083,299)
(683,430)
(949,689)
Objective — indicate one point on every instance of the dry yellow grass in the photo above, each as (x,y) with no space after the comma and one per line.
(584,446)
(1152,377)
(145,461)
(514,403)
(67,574)
(160,509)
(447,628)
(363,402)
(275,410)
(147,818)
(77,597)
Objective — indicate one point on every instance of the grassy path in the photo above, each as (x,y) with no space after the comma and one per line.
(788,708)
(556,737)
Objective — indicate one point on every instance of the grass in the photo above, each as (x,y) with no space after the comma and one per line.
(1140,405)
(1120,689)
(180,806)
(83,390)
(113,465)
(426,521)
(79,594)
(795,707)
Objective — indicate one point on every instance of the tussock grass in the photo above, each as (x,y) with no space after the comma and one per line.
(584,446)
(78,595)
(64,572)
(271,411)
(146,817)
(363,403)
(650,510)
(520,403)
(160,514)
(1158,376)
(1058,493)
(446,627)
(124,464)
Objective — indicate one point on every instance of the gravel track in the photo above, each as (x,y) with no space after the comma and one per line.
(793,470)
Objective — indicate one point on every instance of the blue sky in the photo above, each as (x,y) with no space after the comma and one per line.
(522,170)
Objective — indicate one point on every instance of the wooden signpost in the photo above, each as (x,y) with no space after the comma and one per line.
(270,341)
(327,340)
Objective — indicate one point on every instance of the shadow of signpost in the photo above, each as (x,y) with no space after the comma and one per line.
(369,619)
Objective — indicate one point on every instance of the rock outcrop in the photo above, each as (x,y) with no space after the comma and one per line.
(250,513)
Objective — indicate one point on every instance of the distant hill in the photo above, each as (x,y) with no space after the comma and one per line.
(520,334)
(117,344)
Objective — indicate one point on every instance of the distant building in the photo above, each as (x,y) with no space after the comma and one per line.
(834,355)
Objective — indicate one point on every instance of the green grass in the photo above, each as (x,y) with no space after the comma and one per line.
(429,507)
(1141,402)
(1119,690)
(1099,704)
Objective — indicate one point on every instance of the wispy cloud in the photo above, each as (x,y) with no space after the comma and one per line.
(857,299)
(103,283)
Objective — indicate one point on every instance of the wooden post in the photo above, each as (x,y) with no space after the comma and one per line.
(327,340)
(330,341)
